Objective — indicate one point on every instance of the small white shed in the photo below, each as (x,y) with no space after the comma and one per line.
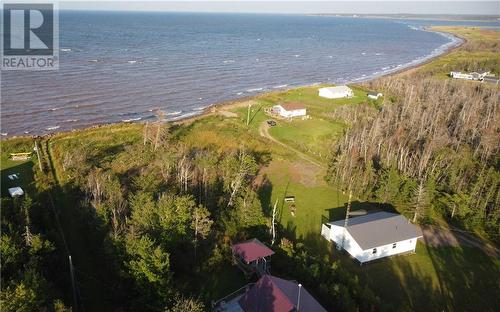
(373,236)
(16,191)
(290,110)
(374,95)
(337,92)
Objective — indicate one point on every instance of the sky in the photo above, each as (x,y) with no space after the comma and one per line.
(296,7)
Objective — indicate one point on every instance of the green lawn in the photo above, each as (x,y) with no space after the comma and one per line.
(316,105)
(313,136)
(433,279)
(24,169)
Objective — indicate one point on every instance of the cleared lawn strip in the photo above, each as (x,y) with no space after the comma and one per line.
(312,136)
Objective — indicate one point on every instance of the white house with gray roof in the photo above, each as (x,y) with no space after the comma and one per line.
(374,235)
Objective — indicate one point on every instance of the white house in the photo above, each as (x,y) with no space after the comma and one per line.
(290,110)
(374,235)
(16,191)
(336,92)
(374,95)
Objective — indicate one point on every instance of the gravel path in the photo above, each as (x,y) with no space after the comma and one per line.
(438,237)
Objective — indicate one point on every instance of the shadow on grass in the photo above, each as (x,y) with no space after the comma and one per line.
(264,193)
(432,279)
(357,209)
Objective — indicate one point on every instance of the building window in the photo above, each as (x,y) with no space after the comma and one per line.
(393,245)
(374,251)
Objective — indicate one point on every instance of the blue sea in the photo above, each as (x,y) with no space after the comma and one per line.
(122,66)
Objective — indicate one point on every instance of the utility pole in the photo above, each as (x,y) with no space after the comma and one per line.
(75,302)
(273,228)
(298,298)
(248,114)
(341,246)
(38,155)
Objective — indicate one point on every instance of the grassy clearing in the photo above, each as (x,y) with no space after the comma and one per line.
(316,105)
(312,136)
(314,199)
(24,169)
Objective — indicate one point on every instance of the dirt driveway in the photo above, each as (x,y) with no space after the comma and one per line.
(263,131)
(438,237)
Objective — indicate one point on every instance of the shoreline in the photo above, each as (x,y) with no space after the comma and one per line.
(446,52)
(214,108)
(405,70)
(492,19)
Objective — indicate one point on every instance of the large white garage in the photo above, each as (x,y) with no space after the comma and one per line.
(337,92)
(373,236)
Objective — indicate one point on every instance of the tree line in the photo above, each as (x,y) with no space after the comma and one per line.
(431,148)
(169,209)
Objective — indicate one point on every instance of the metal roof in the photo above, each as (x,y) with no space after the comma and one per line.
(251,250)
(273,294)
(380,228)
(292,106)
(337,89)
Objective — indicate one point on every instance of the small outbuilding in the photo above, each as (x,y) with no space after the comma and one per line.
(290,110)
(16,191)
(373,236)
(374,95)
(337,92)
(251,256)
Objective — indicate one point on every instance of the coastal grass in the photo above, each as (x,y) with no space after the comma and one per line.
(479,53)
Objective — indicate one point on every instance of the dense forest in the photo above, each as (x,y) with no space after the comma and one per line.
(432,148)
(161,214)
(31,260)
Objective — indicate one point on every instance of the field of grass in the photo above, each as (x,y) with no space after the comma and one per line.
(24,169)
(313,136)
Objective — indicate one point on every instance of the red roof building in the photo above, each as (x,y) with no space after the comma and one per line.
(271,294)
(250,257)
(251,250)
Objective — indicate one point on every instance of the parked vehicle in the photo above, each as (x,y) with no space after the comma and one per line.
(271,123)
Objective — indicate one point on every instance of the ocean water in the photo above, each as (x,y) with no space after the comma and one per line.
(122,66)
